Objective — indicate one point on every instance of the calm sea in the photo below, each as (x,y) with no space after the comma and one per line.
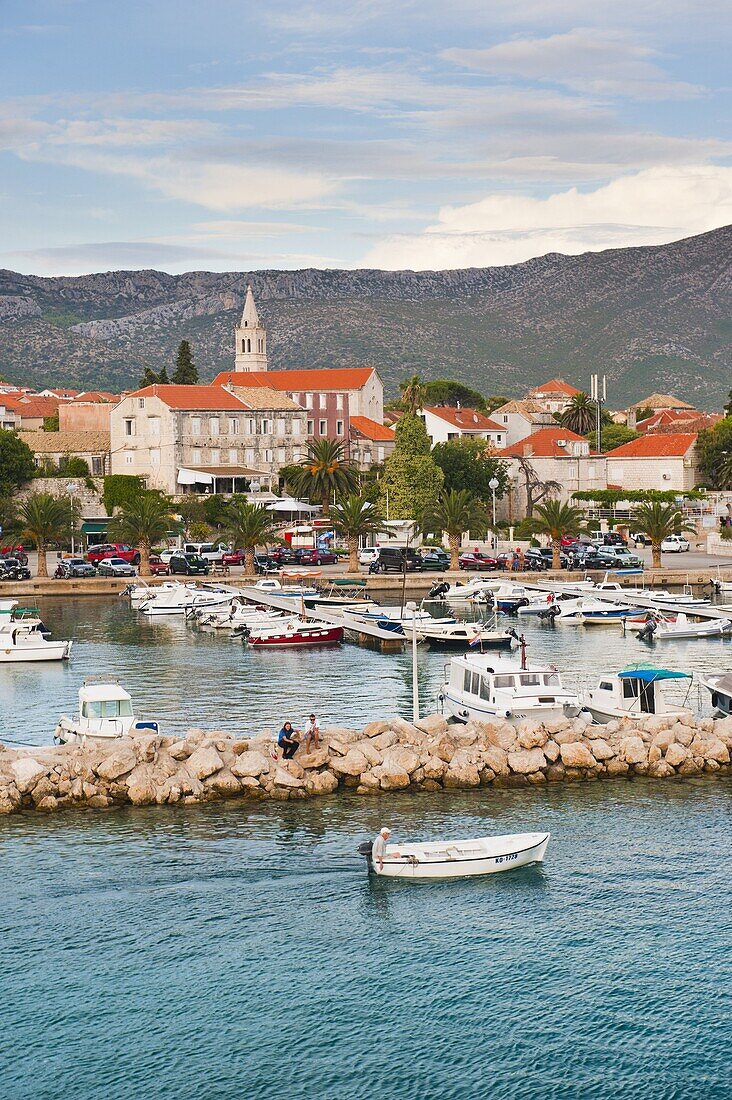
(239,950)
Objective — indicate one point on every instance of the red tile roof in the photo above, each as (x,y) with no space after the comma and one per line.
(469,420)
(97,397)
(656,445)
(371,429)
(31,407)
(192,397)
(346,378)
(543,444)
(678,420)
(556,385)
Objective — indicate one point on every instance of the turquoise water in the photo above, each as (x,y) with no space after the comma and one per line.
(239,950)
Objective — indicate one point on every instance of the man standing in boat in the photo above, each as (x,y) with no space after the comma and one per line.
(378,849)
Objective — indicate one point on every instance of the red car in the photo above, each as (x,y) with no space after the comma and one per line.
(233,557)
(316,557)
(477,560)
(159,568)
(113,550)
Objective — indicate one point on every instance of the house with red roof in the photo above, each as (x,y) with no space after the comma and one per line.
(206,439)
(553,396)
(551,455)
(445,423)
(369,442)
(662,460)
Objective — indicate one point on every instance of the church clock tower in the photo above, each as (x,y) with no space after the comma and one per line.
(251,338)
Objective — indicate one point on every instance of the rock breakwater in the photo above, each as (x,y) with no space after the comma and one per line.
(389,755)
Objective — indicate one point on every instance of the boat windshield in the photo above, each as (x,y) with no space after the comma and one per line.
(107,708)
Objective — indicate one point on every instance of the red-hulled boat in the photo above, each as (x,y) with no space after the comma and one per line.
(297,636)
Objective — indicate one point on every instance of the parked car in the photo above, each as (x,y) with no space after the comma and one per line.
(129,554)
(434,559)
(75,567)
(639,538)
(475,559)
(368,555)
(316,557)
(619,556)
(233,557)
(541,557)
(166,554)
(12,569)
(263,564)
(283,555)
(158,567)
(675,544)
(18,554)
(396,559)
(116,567)
(569,540)
(189,564)
(208,550)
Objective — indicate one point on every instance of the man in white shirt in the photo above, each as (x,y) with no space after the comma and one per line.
(378,849)
(312,733)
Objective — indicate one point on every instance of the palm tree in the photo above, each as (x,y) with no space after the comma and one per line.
(44,519)
(554,518)
(452,514)
(143,521)
(325,470)
(580,415)
(412,395)
(249,526)
(658,521)
(353,517)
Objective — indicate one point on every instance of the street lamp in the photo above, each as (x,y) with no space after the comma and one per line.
(493,485)
(71,489)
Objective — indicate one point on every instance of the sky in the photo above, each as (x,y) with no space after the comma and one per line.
(229,135)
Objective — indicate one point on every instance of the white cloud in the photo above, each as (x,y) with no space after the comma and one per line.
(589,60)
(652,207)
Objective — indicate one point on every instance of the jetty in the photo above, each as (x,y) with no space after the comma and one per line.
(356,629)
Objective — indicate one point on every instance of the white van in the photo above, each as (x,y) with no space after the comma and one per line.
(208,550)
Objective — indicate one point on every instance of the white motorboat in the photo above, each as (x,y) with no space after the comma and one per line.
(236,616)
(483,687)
(141,592)
(182,600)
(105,714)
(23,638)
(445,859)
(467,590)
(457,635)
(635,693)
(590,611)
(682,628)
(720,686)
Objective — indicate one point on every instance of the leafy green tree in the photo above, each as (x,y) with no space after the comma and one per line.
(554,518)
(713,447)
(411,479)
(215,509)
(120,490)
(643,413)
(325,470)
(614,435)
(149,378)
(73,466)
(186,372)
(17,465)
(353,517)
(580,414)
(453,513)
(249,526)
(44,518)
(445,391)
(494,402)
(466,464)
(51,423)
(658,521)
(412,397)
(143,522)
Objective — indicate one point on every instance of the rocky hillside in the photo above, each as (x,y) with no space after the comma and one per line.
(654,319)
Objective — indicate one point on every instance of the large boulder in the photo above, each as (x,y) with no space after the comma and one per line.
(118,763)
(461,774)
(26,772)
(676,754)
(391,777)
(575,754)
(320,782)
(353,763)
(661,769)
(367,748)
(434,768)
(496,758)
(531,736)
(384,739)
(716,750)
(601,750)
(551,750)
(252,763)
(503,736)
(315,759)
(527,761)
(374,729)
(634,750)
(223,782)
(433,725)
(204,762)
(285,779)
(402,757)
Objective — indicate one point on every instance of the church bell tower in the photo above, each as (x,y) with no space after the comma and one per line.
(251,338)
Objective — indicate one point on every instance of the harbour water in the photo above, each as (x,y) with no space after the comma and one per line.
(239,949)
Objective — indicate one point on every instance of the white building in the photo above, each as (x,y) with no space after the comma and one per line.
(663,461)
(552,454)
(445,423)
(553,396)
(520,418)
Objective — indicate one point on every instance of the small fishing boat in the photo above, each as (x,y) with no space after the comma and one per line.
(105,714)
(720,686)
(457,635)
(589,611)
(681,628)
(23,638)
(635,693)
(184,600)
(483,687)
(296,632)
(445,859)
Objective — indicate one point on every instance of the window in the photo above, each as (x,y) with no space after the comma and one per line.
(591,469)
(129,459)
(605,685)
(249,456)
(322,427)
(295,427)
(552,680)
(280,454)
(281,428)
(530,679)
(153,424)
(380,453)
(260,345)
(141,402)
(97,465)
(499,440)
(233,456)
(323,400)
(215,456)
(154,456)
(485,688)
(339,401)
(265,427)
(267,456)
(467,680)
(129,427)
(233,425)
(503,681)
(339,427)
(213,425)
(505,418)
(251,426)
(311,427)
(195,425)
(308,401)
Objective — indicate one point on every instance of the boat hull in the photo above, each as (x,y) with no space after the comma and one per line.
(454,707)
(603,715)
(326,636)
(49,651)
(464,859)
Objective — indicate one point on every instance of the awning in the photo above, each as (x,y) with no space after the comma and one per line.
(290,505)
(648,675)
(193,477)
(94,526)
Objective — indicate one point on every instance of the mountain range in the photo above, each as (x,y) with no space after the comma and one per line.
(653,319)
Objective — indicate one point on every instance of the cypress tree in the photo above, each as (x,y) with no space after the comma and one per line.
(186,372)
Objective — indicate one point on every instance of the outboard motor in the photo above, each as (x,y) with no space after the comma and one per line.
(646,634)
(366,849)
(549,614)
(438,589)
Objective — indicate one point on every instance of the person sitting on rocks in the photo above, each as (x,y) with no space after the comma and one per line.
(378,850)
(312,733)
(287,741)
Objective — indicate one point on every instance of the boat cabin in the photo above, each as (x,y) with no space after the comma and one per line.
(482,686)
(636,691)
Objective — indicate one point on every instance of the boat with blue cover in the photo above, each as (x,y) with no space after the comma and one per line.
(636,693)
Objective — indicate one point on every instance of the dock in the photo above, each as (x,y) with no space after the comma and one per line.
(363,633)
(627,599)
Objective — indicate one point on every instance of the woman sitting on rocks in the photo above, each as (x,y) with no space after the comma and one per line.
(287,741)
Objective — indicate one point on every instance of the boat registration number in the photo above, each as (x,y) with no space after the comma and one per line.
(507,859)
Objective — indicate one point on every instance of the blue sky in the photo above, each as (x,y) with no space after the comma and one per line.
(235,135)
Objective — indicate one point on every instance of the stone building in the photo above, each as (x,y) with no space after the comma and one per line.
(551,454)
(665,461)
(369,443)
(53,447)
(445,423)
(250,339)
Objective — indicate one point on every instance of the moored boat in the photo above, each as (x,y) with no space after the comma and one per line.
(295,632)
(105,714)
(457,635)
(23,638)
(720,686)
(459,858)
(635,693)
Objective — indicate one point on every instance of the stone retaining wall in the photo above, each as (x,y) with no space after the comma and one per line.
(385,756)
